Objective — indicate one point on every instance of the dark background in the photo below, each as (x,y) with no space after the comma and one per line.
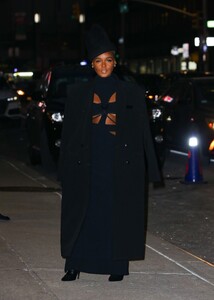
(149,32)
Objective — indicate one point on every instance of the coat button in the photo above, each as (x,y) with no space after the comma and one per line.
(125,145)
(127,162)
(79,162)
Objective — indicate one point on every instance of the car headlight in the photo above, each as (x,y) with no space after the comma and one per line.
(57,117)
(156,113)
(210,123)
(20,92)
(12,98)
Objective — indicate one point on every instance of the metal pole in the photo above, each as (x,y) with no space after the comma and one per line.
(122,38)
(204,41)
(169,7)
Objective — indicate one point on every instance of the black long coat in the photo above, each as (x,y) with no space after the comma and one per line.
(135,157)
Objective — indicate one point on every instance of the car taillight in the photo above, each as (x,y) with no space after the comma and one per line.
(210,123)
(41,105)
(167,98)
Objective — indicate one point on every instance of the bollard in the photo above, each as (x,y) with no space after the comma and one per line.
(193,167)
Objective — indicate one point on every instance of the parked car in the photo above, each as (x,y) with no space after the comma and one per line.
(189,110)
(45,114)
(9,101)
(153,83)
(25,84)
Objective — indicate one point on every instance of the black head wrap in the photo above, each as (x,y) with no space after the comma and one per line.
(98,42)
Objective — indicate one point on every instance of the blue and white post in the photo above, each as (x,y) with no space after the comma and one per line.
(193,167)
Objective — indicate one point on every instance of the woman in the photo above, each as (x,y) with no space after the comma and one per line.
(105,142)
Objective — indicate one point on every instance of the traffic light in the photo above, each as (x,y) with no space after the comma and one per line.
(123,7)
(75,10)
(196,20)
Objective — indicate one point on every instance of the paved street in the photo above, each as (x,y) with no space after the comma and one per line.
(181,214)
(184,214)
(179,256)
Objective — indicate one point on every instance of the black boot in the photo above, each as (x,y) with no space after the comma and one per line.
(4,218)
(71,275)
(113,277)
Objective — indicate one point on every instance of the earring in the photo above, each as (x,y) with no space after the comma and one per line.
(92,65)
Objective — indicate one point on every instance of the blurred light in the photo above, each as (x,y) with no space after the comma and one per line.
(196,41)
(23,74)
(81,18)
(209,41)
(159,138)
(210,123)
(20,92)
(121,40)
(156,113)
(57,117)
(58,143)
(193,141)
(185,50)
(167,99)
(42,105)
(83,63)
(37,18)
(192,65)
(174,50)
(210,24)
(123,7)
(12,99)
(211,146)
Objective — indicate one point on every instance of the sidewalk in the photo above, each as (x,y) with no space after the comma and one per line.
(31,266)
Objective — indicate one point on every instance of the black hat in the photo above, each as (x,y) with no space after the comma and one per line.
(97,42)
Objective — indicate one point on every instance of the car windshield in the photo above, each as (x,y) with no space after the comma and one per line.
(58,86)
(205,92)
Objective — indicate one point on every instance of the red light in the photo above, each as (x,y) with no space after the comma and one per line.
(42,105)
(211,125)
(167,99)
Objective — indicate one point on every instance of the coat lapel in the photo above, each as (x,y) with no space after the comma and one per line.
(85,122)
(121,108)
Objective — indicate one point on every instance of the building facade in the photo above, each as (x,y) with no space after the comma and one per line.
(149,38)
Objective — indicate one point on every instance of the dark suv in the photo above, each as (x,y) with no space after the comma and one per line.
(189,108)
(45,114)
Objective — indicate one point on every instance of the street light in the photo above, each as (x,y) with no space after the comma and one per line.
(37,20)
(81,18)
(82,33)
(210,24)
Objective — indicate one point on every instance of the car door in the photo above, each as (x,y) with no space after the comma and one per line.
(179,110)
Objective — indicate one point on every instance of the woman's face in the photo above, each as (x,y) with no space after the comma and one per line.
(104,64)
